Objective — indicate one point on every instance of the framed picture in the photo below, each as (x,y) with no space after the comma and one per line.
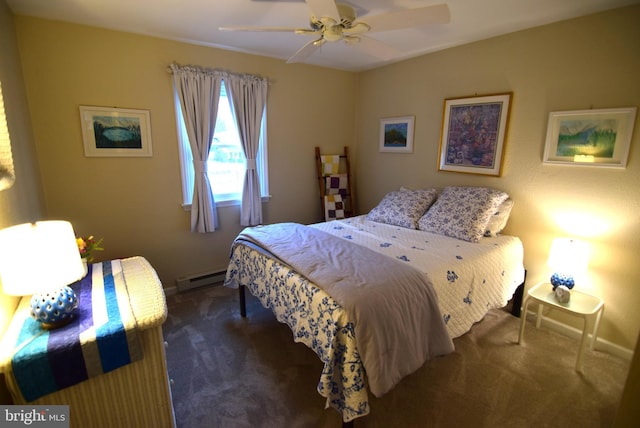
(473,134)
(109,131)
(589,137)
(396,134)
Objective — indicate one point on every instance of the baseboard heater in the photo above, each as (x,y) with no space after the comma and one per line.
(200,280)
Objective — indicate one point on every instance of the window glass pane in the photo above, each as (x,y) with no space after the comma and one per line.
(186,158)
(226,158)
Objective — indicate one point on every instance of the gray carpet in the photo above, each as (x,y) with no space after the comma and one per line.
(231,372)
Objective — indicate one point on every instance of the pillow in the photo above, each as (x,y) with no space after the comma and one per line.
(498,220)
(462,212)
(429,194)
(403,207)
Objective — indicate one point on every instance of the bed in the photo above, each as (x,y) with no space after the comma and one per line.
(377,295)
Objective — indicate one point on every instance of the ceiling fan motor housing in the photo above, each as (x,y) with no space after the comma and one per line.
(347,16)
(332,31)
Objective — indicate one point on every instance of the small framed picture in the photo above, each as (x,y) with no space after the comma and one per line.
(396,134)
(113,132)
(473,134)
(590,137)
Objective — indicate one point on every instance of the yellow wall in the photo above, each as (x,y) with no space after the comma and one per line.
(628,411)
(22,202)
(591,62)
(135,203)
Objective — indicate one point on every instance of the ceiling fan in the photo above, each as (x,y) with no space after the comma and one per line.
(333,22)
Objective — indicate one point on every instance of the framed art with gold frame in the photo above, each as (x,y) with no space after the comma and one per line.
(473,134)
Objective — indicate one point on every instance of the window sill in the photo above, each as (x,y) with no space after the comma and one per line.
(229,203)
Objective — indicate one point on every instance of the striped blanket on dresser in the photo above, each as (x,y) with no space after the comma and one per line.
(102,338)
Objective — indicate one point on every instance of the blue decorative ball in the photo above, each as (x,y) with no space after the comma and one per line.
(558,279)
(55,308)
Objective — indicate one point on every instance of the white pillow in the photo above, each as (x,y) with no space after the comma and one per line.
(498,221)
(403,207)
(462,212)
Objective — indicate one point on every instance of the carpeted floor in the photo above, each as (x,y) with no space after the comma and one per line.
(231,372)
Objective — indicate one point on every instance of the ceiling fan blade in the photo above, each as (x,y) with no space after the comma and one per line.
(306,51)
(377,49)
(324,8)
(259,29)
(437,14)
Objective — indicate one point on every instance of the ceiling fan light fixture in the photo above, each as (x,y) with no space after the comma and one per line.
(333,33)
(326,22)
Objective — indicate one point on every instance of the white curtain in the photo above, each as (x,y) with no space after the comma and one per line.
(249,97)
(198,92)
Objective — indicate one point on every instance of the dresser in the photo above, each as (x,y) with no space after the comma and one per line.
(134,395)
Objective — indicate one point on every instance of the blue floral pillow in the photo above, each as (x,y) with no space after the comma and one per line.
(462,212)
(403,207)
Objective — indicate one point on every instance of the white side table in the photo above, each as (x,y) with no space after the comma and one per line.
(581,304)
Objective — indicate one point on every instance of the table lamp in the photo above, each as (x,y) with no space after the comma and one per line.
(42,259)
(568,257)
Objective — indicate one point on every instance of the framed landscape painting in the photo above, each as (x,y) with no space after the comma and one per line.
(473,134)
(110,131)
(590,137)
(396,134)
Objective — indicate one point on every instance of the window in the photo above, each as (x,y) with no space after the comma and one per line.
(226,163)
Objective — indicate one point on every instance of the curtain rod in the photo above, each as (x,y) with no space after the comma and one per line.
(215,71)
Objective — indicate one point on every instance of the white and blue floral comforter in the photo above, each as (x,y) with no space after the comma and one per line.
(469,279)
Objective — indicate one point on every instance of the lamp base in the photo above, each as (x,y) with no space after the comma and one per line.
(558,279)
(54,309)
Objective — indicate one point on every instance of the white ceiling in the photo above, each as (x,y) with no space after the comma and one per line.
(198,22)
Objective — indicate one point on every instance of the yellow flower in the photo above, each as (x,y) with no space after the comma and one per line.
(87,245)
(81,244)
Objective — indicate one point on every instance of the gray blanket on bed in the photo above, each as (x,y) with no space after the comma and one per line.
(393,306)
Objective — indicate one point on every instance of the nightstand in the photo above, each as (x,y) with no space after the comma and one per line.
(581,304)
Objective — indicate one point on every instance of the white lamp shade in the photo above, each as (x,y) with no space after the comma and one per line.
(569,256)
(37,257)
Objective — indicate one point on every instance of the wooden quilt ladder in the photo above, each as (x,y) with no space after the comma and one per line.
(334,178)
